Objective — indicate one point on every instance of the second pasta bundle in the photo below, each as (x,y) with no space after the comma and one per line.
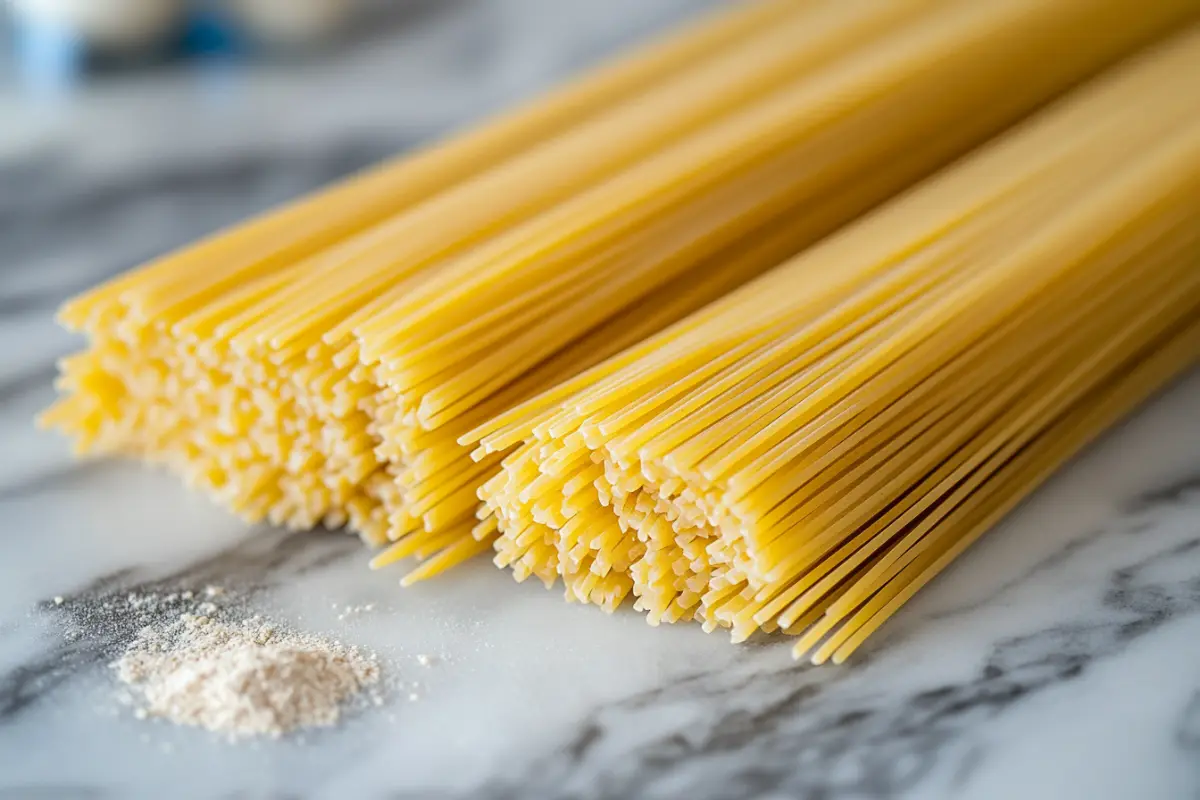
(807,452)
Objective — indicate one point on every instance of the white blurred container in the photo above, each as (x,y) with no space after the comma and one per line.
(292,23)
(120,26)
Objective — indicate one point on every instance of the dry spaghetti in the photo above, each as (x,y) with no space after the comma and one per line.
(809,451)
(319,365)
(489,329)
(159,383)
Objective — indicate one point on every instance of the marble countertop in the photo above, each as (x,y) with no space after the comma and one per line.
(1060,657)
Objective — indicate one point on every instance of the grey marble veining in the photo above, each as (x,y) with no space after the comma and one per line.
(1059,658)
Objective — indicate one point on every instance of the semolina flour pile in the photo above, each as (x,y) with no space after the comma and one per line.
(243,678)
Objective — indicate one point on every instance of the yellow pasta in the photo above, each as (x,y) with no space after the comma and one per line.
(323,364)
(204,271)
(467,343)
(158,383)
(807,452)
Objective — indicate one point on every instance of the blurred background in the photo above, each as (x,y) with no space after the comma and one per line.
(129,127)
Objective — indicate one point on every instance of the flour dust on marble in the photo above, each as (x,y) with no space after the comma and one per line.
(242,678)
(192,647)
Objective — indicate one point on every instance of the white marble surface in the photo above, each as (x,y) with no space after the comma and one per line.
(1059,659)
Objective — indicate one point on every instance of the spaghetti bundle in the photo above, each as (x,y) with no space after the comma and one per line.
(160,379)
(806,453)
(320,364)
(558,293)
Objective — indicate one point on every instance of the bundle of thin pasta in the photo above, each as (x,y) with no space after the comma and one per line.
(806,453)
(318,365)
(160,380)
(422,487)
(489,329)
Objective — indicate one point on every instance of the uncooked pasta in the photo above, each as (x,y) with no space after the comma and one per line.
(809,451)
(481,320)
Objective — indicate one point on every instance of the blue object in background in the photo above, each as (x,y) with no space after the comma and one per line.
(214,42)
(50,58)
(210,31)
